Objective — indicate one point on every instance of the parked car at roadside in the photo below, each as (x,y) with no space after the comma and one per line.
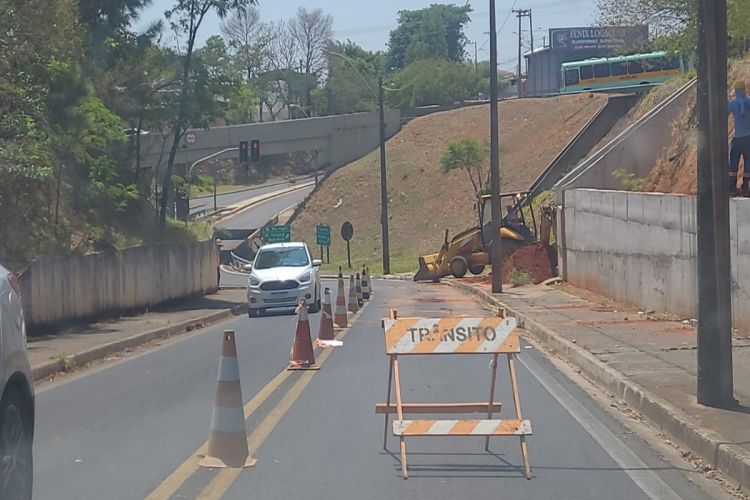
(17,400)
(281,275)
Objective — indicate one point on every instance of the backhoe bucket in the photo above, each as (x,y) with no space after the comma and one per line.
(428,268)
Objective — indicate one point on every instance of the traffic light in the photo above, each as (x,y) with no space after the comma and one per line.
(255,150)
(243,151)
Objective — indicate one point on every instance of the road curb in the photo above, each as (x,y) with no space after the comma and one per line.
(731,460)
(52,367)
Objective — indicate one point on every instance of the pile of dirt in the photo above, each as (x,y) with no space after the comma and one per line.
(676,169)
(423,200)
(538,261)
(534,260)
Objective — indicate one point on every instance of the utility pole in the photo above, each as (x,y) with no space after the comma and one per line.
(476,68)
(520,14)
(715,383)
(531,31)
(496,251)
(383,182)
(518,70)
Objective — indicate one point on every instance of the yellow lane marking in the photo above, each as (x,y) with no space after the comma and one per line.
(190,466)
(224,479)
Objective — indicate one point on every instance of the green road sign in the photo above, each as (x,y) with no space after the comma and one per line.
(323,235)
(277,234)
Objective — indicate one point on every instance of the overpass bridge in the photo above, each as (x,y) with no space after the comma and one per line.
(338,139)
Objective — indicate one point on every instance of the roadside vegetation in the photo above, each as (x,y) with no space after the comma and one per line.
(77,95)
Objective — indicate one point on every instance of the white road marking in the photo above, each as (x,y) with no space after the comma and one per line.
(646,479)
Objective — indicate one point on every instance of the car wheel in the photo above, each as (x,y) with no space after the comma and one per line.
(16,435)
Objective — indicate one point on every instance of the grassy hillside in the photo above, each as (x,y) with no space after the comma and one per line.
(424,201)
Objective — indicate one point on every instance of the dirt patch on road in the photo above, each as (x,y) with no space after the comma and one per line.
(424,201)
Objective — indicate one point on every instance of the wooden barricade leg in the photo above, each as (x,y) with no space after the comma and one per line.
(400,414)
(517,403)
(491,400)
(388,404)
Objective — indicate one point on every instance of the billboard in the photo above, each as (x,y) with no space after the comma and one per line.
(604,38)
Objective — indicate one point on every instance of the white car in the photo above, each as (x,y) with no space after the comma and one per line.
(280,276)
(17,400)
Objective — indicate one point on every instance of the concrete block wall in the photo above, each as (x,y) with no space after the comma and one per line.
(60,290)
(640,248)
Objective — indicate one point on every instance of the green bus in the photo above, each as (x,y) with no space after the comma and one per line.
(619,72)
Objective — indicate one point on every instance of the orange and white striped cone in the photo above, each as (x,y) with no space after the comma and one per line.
(365,284)
(302,356)
(353,306)
(340,318)
(227,442)
(358,288)
(325,329)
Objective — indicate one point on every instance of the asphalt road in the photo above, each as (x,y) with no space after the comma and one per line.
(257,215)
(133,429)
(226,199)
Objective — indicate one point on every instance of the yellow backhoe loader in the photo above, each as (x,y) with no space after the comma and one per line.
(469,250)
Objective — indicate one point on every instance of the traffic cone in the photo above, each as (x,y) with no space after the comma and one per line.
(370,283)
(358,287)
(325,330)
(353,306)
(340,319)
(227,441)
(365,284)
(302,356)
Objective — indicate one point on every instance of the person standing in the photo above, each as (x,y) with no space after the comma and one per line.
(739,108)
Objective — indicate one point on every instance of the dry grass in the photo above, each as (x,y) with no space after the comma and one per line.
(424,201)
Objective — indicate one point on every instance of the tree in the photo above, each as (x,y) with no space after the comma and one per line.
(432,81)
(311,30)
(434,32)
(673,24)
(185,18)
(470,156)
(344,89)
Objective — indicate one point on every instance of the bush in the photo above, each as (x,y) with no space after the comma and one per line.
(518,277)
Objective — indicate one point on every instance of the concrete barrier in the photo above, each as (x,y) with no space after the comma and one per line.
(60,290)
(640,248)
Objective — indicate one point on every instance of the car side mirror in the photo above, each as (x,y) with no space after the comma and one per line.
(317,262)
(247,267)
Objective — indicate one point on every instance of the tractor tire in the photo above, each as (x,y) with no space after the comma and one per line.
(459,266)
(476,269)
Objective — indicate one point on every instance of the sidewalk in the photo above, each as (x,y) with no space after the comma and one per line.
(647,361)
(82,344)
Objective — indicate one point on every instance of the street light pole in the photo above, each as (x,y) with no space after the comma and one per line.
(496,251)
(715,382)
(383,182)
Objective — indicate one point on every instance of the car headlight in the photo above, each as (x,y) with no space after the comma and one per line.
(305,277)
(253,281)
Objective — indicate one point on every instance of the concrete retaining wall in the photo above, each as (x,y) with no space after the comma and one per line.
(640,248)
(635,150)
(596,129)
(59,290)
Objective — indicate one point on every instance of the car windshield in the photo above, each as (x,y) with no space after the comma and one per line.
(282,257)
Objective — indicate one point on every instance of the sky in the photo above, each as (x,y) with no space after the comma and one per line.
(368,23)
